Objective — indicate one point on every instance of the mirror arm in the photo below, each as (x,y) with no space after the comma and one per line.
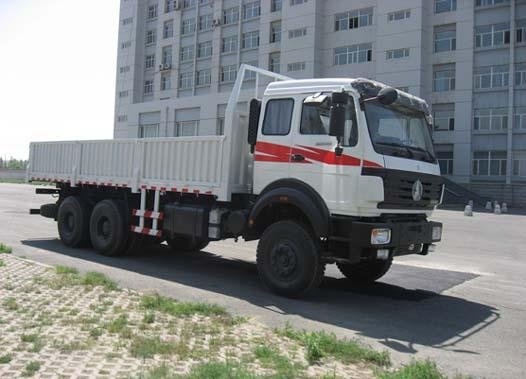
(338,150)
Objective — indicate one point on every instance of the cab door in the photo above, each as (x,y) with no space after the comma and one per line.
(314,160)
(273,147)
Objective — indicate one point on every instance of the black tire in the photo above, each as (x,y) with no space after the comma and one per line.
(109,230)
(186,244)
(49,210)
(289,259)
(365,272)
(73,222)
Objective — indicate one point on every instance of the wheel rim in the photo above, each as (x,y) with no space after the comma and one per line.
(104,228)
(283,260)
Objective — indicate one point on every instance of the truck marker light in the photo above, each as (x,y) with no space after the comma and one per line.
(380,236)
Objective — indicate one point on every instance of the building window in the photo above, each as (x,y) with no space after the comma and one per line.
(278,116)
(398,15)
(127,21)
(251,75)
(202,78)
(445,160)
(123,93)
(166,81)
(490,119)
(492,77)
(492,35)
(169,6)
(296,33)
(251,10)
(122,118)
(204,49)
(125,45)
(187,53)
(151,37)
(150,61)
(229,44)
(397,53)
(444,117)
(486,163)
(483,3)
(519,163)
(124,69)
(276,5)
(353,54)
(230,15)
(188,26)
(152,12)
(445,40)
(520,74)
(297,2)
(443,79)
(296,66)
(188,4)
(148,131)
(442,6)
(353,19)
(521,31)
(275,31)
(148,87)
(228,73)
(519,121)
(187,128)
(206,22)
(250,40)
(168,29)
(186,80)
(274,62)
(167,55)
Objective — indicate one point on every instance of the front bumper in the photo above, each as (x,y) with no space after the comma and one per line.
(409,235)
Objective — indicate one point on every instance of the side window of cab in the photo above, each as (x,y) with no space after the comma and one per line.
(315,121)
(278,117)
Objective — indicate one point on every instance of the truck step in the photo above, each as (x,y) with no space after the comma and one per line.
(147,231)
(148,214)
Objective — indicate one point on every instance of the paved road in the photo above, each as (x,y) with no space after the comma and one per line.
(463,306)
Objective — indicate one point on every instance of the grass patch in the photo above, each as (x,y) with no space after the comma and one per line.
(72,346)
(96,332)
(62,270)
(98,279)
(120,326)
(69,277)
(4,249)
(31,368)
(148,347)
(417,369)
(270,357)
(176,308)
(149,318)
(2,264)
(10,304)
(321,344)
(219,370)
(5,359)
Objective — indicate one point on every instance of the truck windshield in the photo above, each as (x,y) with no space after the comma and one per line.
(399,131)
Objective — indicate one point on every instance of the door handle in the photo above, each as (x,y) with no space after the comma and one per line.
(297,157)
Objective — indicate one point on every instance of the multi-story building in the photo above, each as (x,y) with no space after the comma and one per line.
(178,59)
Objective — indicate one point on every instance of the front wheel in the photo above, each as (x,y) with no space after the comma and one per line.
(289,259)
(365,272)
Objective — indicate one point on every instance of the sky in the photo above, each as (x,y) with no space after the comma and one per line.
(57,71)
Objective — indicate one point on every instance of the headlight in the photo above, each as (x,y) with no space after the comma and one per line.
(380,236)
(436,234)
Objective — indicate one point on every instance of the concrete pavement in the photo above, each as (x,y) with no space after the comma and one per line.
(463,305)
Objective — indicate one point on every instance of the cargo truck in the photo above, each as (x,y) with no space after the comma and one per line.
(320,171)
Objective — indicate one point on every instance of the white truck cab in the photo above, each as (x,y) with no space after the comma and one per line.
(320,171)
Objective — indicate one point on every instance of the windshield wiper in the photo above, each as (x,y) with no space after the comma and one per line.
(430,157)
(409,153)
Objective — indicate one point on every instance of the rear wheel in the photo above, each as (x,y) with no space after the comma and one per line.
(365,272)
(186,243)
(289,259)
(108,228)
(73,221)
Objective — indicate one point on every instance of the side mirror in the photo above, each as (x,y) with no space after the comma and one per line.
(387,96)
(253,123)
(337,115)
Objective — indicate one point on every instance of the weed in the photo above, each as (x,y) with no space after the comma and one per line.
(417,369)
(220,370)
(98,279)
(29,337)
(62,270)
(69,347)
(31,368)
(175,308)
(10,304)
(321,344)
(270,357)
(96,332)
(149,318)
(120,326)
(4,249)
(5,359)
(2,264)
(148,347)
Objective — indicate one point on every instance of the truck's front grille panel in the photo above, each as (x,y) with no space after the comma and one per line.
(398,188)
